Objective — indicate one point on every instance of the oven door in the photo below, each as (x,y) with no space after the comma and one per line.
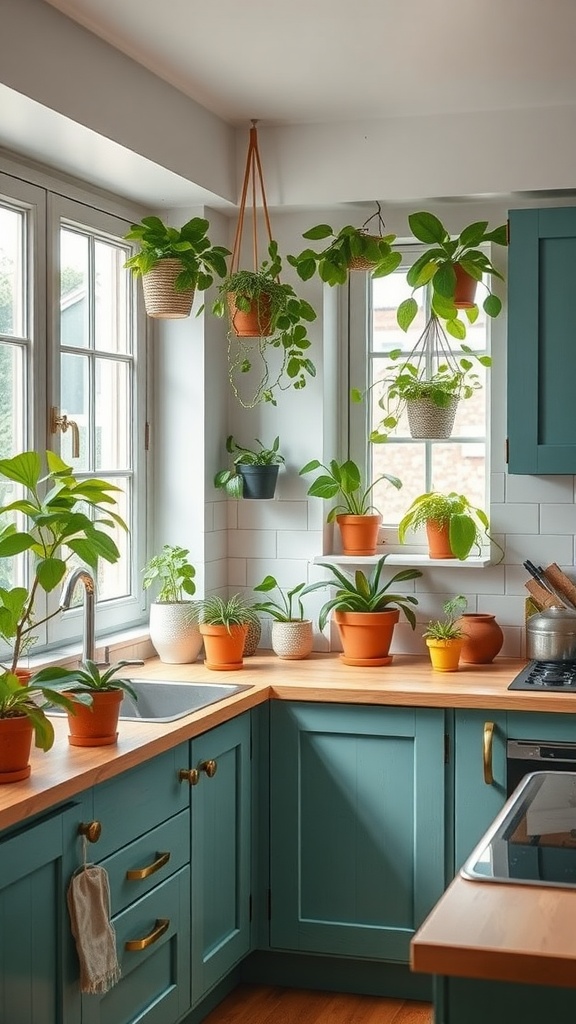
(525,756)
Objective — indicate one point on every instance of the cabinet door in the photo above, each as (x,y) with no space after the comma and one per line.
(357,826)
(35,944)
(220,852)
(479,777)
(541,350)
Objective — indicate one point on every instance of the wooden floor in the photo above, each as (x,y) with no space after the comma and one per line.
(259,1004)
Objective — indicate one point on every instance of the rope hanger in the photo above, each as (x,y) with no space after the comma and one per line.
(253,183)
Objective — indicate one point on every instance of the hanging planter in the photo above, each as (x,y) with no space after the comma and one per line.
(254,322)
(428,420)
(161,297)
(464,289)
(347,250)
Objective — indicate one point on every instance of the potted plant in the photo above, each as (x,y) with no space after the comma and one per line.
(95,696)
(173,263)
(253,473)
(62,519)
(430,397)
(21,718)
(292,635)
(448,265)
(453,525)
(444,636)
(366,612)
(173,618)
(224,625)
(259,306)
(358,520)
(348,249)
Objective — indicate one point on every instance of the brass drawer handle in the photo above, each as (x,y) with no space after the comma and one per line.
(191,775)
(487,743)
(162,925)
(136,874)
(92,830)
(210,767)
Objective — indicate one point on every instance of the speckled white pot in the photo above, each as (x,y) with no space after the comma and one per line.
(174,632)
(292,640)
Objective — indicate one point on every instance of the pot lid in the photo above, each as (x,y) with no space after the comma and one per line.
(552,620)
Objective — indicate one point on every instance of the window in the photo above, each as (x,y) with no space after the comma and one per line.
(72,342)
(455,464)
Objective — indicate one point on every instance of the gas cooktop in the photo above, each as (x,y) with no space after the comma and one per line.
(546,675)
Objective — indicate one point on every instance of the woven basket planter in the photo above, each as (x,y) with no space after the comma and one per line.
(360,262)
(161,299)
(428,420)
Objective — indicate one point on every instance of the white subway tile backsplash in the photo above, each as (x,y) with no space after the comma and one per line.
(220,515)
(517,518)
(539,488)
(273,515)
(497,487)
(216,576)
(513,646)
(555,518)
(215,545)
(289,572)
(509,610)
(516,577)
(232,513)
(457,579)
(237,572)
(538,548)
(252,544)
(299,543)
(209,515)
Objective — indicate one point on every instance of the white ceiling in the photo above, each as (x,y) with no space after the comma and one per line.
(327,60)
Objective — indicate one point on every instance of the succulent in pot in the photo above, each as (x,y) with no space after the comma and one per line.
(254,471)
(292,633)
(454,526)
(444,637)
(224,624)
(174,628)
(358,519)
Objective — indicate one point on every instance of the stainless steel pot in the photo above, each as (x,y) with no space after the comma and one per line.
(551,635)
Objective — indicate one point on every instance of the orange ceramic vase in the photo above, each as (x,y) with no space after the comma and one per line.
(444,654)
(366,636)
(15,745)
(24,675)
(438,540)
(96,724)
(465,290)
(483,638)
(359,533)
(252,323)
(224,649)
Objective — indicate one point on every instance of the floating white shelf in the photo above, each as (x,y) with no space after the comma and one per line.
(401,558)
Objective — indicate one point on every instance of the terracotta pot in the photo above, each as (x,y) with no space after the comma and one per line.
(438,540)
(15,745)
(366,636)
(24,675)
(359,533)
(252,323)
(444,654)
(483,638)
(224,649)
(96,724)
(465,290)
(161,299)
(292,640)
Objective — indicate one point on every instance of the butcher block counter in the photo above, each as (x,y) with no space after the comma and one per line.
(409,681)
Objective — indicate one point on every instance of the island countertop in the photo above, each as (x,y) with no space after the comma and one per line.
(65,771)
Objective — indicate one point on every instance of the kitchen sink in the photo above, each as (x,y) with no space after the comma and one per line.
(165,700)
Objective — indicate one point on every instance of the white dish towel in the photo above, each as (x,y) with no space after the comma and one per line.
(89,908)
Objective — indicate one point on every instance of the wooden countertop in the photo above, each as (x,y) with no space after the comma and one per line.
(409,681)
(500,932)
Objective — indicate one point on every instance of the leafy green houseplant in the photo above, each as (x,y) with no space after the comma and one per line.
(358,519)
(21,715)
(62,518)
(173,616)
(446,262)
(254,471)
(451,520)
(265,314)
(224,625)
(174,263)
(365,611)
(95,695)
(347,249)
(292,635)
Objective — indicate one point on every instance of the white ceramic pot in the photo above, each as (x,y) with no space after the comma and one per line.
(292,640)
(174,631)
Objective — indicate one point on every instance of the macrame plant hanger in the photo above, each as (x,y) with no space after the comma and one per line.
(252,178)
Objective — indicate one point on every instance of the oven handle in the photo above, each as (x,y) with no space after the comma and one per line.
(538,751)
(487,744)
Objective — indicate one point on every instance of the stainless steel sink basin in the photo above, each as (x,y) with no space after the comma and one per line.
(165,700)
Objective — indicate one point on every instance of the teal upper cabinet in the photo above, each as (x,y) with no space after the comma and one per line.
(541,341)
(357,826)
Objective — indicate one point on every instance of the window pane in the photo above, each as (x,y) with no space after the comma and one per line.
(12,272)
(113,419)
(406,461)
(74,311)
(75,405)
(460,468)
(12,400)
(114,580)
(111,329)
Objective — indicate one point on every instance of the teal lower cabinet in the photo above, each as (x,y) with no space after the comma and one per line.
(220,803)
(469,1001)
(36,956)
(357,806)
(479,761)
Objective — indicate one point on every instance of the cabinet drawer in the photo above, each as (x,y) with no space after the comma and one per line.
(132,804)
(150,860)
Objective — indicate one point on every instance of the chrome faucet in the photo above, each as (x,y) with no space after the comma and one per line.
(84,576)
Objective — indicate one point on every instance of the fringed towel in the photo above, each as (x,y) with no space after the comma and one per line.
(89,907)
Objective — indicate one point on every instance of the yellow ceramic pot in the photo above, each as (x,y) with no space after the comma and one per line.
(444,654)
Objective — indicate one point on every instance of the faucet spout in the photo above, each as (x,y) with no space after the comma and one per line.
(85,577)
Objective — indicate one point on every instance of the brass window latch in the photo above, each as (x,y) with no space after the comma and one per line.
(62,423)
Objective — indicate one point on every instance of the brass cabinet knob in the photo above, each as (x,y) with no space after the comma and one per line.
(209,767)
(92,830)
(487,744)
(191,775)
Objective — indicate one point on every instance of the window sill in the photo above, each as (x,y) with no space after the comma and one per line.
(406,558)
(130,643)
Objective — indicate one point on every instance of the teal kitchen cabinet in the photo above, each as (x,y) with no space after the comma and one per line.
(479,776)
(541,350)
(357,807)
(36,956)
(220,801)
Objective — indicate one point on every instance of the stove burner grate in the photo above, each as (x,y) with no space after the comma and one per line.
(546,675)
